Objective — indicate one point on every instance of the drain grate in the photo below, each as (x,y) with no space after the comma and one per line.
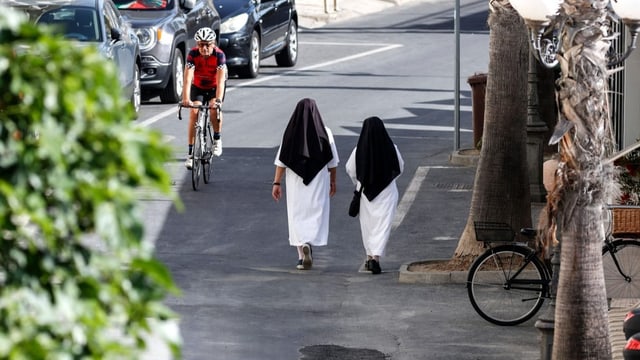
(335,352)
(447,186)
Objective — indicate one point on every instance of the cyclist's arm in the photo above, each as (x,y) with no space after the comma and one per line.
(186,86)
(221,82)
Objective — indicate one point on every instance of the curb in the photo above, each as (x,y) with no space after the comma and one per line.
(465,157)
(431,277)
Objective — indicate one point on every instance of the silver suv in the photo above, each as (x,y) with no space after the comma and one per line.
(165,30)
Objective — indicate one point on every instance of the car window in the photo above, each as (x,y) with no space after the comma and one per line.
(143,4)
(76,23)
(109,21)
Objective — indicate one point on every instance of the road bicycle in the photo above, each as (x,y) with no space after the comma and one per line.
(508,283)
(203,142)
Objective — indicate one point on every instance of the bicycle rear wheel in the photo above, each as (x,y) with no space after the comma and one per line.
(622,282)
(196,170)
(507,284)
(207,158)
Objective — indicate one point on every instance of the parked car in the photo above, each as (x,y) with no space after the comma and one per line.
(253,30)
(166,29)
(93,22)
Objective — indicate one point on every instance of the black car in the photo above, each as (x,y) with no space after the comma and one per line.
(252,30)
(166,29)
(93,22)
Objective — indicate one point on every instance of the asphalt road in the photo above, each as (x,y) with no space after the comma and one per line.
(228,251)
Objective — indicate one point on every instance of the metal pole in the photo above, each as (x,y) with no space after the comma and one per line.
(456,96)
(536,132)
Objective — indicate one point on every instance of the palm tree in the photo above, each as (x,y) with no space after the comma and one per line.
(584,181)
(501,183)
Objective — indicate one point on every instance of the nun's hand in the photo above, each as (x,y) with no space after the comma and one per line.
(332,189)
(276,192)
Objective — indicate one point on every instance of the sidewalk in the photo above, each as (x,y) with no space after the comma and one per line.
(617,312)
(316,13)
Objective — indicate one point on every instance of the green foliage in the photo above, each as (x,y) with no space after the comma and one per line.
(76,279)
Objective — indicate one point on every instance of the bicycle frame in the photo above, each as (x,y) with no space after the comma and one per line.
(512,279)
(202,152)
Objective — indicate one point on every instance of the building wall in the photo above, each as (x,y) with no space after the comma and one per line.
(631,132)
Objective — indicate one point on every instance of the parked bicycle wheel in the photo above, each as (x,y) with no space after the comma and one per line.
(207,158)
(507,284)
(621,265)
(196,170)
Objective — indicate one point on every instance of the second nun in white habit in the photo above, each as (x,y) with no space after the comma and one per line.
(374,165)
(308,159)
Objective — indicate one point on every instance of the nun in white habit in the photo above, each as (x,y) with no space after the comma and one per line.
(374,165)
(308,159)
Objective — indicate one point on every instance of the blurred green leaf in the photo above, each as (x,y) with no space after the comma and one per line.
(76,279)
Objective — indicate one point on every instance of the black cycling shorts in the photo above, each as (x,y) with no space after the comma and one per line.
(198,94)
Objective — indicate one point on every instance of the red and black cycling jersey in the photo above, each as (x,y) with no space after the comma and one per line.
(204,74)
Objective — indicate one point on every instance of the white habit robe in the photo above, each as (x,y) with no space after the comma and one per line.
(308,205)
(376,217)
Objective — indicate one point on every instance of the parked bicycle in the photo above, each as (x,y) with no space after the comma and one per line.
(508,283)
(203,142)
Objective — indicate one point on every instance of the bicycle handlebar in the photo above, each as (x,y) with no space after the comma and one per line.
(218,106)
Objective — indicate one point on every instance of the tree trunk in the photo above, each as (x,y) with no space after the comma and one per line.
(501,189)
(584,182)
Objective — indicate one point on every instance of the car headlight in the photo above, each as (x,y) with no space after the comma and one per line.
(234,24)
(147,38)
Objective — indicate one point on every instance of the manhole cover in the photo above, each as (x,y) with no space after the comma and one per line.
(335,352)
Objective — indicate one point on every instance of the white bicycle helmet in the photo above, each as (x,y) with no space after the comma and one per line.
(205,34)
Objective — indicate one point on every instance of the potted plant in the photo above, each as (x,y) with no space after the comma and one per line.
(629,178)
(626,216)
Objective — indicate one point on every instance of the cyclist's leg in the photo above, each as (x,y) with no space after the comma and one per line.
(217,125)
(196,95)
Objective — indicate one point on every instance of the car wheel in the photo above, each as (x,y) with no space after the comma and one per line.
(288,56)
(253,66)
(136,97)
(173,92)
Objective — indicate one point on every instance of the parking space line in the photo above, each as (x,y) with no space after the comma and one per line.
(409,195)
(325,43)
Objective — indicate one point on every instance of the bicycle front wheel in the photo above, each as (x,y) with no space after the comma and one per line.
(207,159)
(196,170)
(507,284)
(622,268)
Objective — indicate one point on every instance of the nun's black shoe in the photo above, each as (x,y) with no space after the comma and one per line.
(300,266)
(374,266)
(307,260)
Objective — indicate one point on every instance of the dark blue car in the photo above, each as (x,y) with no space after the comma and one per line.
(253,30)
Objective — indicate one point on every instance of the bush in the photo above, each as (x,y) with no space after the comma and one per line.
(76,279)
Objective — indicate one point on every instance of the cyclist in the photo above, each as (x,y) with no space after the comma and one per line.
(204,79)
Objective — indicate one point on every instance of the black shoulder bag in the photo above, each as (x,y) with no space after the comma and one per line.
(354,207)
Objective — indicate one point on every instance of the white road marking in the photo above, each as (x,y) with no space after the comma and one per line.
(409,195)
(421,127)
(379,48)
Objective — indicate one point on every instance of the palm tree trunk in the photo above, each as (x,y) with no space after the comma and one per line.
(584,182)
(501,189)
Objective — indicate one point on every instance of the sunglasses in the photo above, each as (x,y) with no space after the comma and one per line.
(205,44)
